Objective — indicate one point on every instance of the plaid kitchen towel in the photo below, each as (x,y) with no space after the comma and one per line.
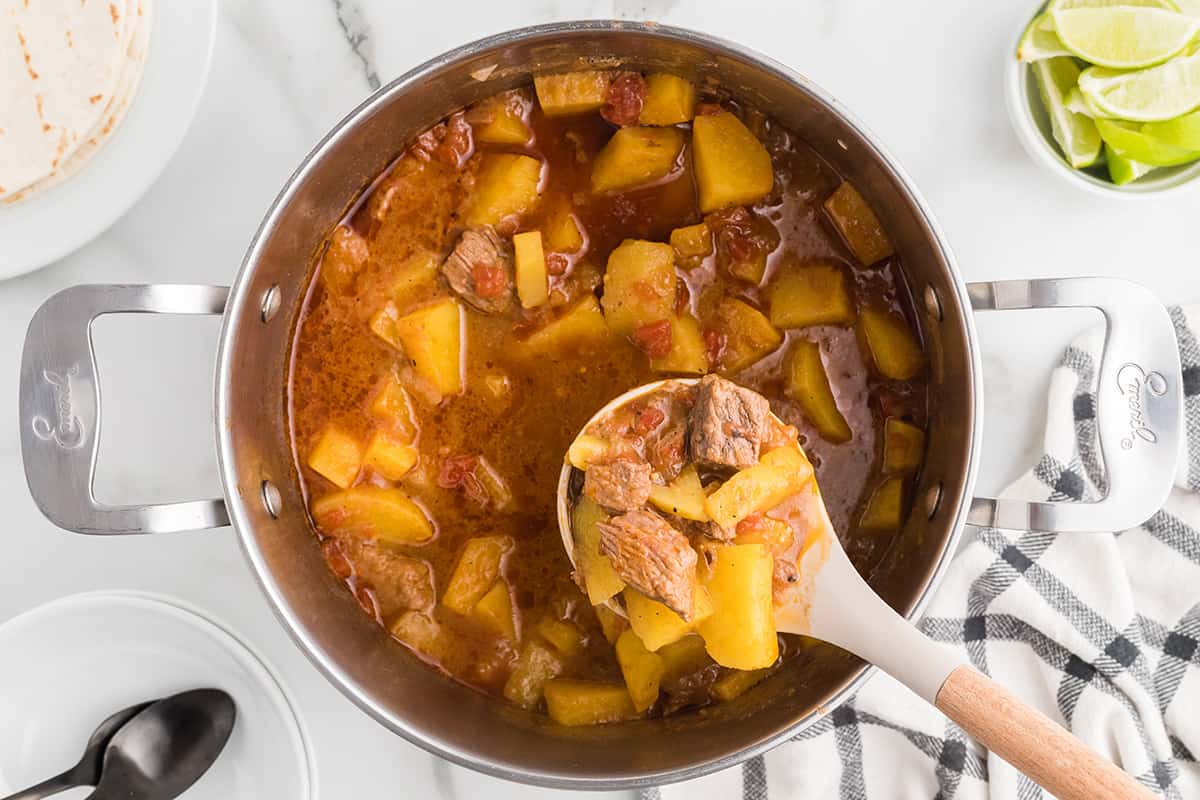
(1099,631)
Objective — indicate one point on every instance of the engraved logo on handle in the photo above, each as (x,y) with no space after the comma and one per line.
(67,430)
(1131,378)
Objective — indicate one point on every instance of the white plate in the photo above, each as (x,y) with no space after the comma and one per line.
(67,665)
(62,219)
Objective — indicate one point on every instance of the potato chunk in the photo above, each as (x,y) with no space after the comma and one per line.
(683,657)
(583,324)
(732,166)
(337,457)
(564,636)
(814,294)
(389,456)
(669,100)
(562,232)
(734,684)
(740,633)
(477,570)
(393,406)
(372,512)
(692,244)
(779,474)
(432,340)
(749,335)
(639,285)
(587,703)
(683,497)
(536,664)
(805,382)
(885,509)
(532,282)
(495,611)
(572,92)
(893,347)
(506,186)
(421,634)
(903,446)
(415,275)
(586,449)
(688,355)
(611,623)
(859,226)
(656,624)
(641,669)
(635,157)
(504,123)
(599,575)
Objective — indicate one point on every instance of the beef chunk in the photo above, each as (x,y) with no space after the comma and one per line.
(727,424)
(621,485)
(480,270)
(652,557)
(400,583)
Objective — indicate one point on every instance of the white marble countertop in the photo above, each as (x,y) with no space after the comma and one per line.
(925,75)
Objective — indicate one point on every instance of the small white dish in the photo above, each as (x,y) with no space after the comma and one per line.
(67,665)
(1032,126)
(63,218)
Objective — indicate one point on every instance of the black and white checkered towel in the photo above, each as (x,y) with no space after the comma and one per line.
(1101,632)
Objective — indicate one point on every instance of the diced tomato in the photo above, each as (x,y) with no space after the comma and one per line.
(751,524)
(647,420)
(458,472)
(654,338)
(556,263)
(490,281)
(455,146)
(714,345)
(623,102)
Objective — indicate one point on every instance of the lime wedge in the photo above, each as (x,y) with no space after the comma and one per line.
(1189,7)
(1122,170)
(1040,41)
(1056,5)
(1127,140)
(1148,95)
(1124,37)
(1077,103)
(1183,132)
(1075,133)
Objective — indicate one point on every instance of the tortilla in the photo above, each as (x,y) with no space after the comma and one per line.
(66,86)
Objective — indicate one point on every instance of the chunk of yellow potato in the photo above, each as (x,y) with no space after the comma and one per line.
(749,335)
(893,347)
(682,658)
(506,186)
(688,355)
(415,275)
(562,232)
(655,624)
(586,449)
(495,611)
(669,100)
(734,684)
(639,285)
(903,446)
(641,669)
(337,457)
(856,221)
(506,126)
(372,512)
(778,474)
(635,157)
(582,325)
(611,623)
(572,92)
(390,457)
(564,636)
(383,325)
(740,633)
(587,703)
(806,382)
(536,664)
(477,570)
(599,576)
(421,634)
(813,294)
(393,406)
(732,166)
(683,497)
(532,283)
(885,509)
(692,244)
(432,340)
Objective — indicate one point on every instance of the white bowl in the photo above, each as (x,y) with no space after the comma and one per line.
(1032,126)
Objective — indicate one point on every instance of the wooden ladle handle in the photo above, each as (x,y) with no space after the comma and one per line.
(1031,741)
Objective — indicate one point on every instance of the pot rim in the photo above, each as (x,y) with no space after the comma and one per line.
(239,299)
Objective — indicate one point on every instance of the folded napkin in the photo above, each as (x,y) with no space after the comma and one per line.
(1099,631)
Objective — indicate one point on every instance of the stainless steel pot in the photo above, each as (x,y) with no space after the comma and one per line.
(1138,415)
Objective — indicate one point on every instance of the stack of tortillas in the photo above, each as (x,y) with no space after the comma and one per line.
(69,70)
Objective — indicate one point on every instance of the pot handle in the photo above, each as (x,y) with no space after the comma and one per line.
(60,408)
(1138,406)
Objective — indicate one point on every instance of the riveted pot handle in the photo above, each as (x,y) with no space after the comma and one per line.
(1138,406)
(60,409)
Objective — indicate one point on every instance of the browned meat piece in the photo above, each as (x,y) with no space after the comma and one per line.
(666,452)
(400,583)
(652,557)
(480,270)
(728,424)
(621,485)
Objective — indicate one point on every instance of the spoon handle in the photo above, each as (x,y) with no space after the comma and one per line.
(59,783)
(1031,741)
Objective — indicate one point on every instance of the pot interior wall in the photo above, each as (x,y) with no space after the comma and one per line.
(380,674)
